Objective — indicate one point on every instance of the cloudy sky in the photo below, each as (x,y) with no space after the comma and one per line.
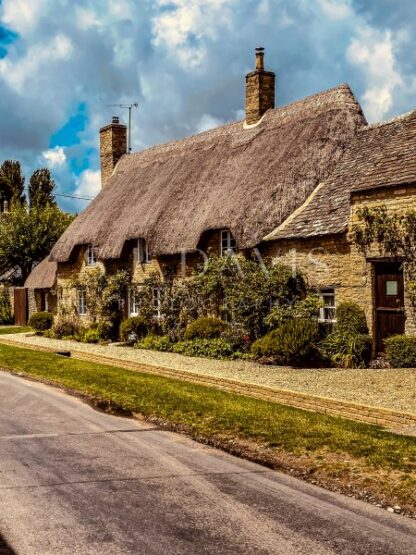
(63,62)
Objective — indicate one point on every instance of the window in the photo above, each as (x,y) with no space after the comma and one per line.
(227,243)
(134,302)
(82,302)
(392,288)
(141,252)
(157,301)
(327,312)
(91,256)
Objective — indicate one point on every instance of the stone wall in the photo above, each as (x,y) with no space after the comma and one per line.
(113,144)
(260,91)
(398,200)
(328,262)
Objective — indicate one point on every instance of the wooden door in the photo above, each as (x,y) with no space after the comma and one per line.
(389,298)
(20,306)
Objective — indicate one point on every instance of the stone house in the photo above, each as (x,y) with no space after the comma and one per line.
(286,182)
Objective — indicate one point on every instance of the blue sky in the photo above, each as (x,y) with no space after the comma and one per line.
(62,62)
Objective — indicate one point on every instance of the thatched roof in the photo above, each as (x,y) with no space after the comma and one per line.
(43,276)
(247,180)
(380,155)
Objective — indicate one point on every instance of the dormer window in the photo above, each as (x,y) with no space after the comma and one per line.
(142,255)
(91,256)
(227,243)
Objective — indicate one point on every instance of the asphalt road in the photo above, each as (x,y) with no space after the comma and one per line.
(77,481)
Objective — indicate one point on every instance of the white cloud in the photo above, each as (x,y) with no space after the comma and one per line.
(17,72)
(21,15)
(373,51)
(54,157)
(190,19)
(88,183)
(336,9)
(208,122)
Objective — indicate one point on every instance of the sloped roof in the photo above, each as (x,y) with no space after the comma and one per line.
(380,155)
(246,179)
(43,276)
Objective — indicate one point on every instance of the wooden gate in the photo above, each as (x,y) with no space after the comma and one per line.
(20,306)
(389,297)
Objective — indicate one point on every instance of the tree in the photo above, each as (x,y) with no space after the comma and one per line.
(41,189)
(27,236)
(12,182)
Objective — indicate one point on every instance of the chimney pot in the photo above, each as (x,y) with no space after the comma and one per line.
(116,119)
(259,57)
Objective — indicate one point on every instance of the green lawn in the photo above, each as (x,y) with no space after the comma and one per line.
(207,413)
(13,329)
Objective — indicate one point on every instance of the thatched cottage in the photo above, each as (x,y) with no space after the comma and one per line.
(287,181)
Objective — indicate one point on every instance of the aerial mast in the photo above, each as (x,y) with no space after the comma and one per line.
(128,107)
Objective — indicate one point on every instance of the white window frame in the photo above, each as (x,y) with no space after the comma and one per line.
(227,243)
(142,254)
(133,304)
(157,301)
(82,301)
(327,308)
(91,256)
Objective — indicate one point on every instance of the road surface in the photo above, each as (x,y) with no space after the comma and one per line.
(77,481)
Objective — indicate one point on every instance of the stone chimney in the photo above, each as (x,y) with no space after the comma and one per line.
(113,144)
(259,90)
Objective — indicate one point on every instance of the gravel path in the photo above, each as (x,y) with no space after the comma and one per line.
(388,388)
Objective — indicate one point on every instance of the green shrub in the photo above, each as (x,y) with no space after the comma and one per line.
(133,329)
(91,335)
(347,349)
(292,343)
(348,345)
(155,343)
(205,327)
(351,318)
(6,314)
(209,348)
(66,327)
(237,336)
(41,321)
(401,351)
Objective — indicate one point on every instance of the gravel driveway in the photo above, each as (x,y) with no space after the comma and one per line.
(388,388)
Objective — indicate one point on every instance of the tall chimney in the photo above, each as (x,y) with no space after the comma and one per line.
(113,144)
(259,90)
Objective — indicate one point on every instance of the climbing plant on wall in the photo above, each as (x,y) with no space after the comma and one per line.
(392,235)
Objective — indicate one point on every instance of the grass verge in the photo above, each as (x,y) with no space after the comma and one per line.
(352,457)
(13,329)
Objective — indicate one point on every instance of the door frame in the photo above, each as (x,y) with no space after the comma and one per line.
(375,261)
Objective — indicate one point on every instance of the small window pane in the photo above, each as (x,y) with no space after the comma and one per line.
(391,287)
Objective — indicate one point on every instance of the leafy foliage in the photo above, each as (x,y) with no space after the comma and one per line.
(348,345)
(41,189)
(27,236)
(105,293)
(401,351)
(392,235)
(156,343)
(12,182)
(6,313)
(92,335)
(231,288)
(307,308)
(205,328)
(209,348)
(41,321)
(133,329)
(294,342)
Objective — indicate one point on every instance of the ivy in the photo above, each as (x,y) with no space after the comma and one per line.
(393,235)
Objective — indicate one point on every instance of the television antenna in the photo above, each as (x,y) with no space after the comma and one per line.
(128,107)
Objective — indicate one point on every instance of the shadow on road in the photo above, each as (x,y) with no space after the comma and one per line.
(5,549)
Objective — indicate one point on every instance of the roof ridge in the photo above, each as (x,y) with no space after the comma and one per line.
(388,121)
(227,126)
